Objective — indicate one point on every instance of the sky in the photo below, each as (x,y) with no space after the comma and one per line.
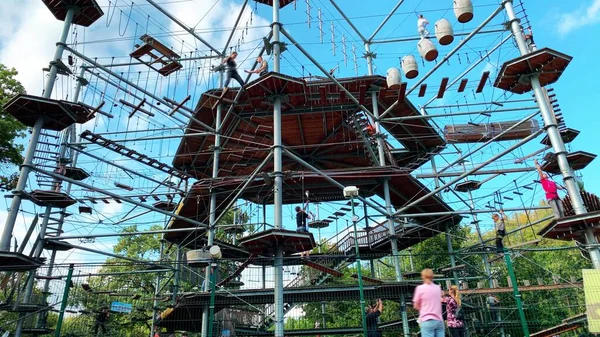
(27,42)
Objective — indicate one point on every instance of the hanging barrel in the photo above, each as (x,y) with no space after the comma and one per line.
(393,78)
(444,32)
(427,50)
(463,9)
(410,66)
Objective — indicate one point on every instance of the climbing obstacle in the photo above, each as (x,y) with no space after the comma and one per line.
(290,242)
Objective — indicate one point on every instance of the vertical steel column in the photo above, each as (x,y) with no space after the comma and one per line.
(156,291)
(35,135)
(516,293)
(386,193)
(371,262)
(206,320)
(551,128)
(63,304)
(363,305)
(177,277)
(278,179)
(452,257)
(68,133)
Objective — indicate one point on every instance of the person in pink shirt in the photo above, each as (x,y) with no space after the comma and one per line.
(551,190)
(428,301)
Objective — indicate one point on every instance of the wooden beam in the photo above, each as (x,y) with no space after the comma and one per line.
(484,78)
(422,90)
(402,92)
(442,89)
(463,85)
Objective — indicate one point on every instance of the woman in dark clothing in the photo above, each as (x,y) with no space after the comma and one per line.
(453,303)
(232,70)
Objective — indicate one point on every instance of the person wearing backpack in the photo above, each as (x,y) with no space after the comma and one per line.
(454,312)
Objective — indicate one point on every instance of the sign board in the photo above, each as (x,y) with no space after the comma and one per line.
(121,307)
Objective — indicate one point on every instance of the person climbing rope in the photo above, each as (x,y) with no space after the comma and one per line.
(374,310)
(263,68)
(500,231)
(232,70)
(551,190)
(421,26)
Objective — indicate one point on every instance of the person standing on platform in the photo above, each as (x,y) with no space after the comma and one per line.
(500,231)
(232,70)
(373,312)
(454,320)
(551,190)
(101,321)
(422,27)
(263,67)
(427,299)
(301,218)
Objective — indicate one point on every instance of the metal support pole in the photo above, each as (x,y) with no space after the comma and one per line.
(206,317)
(63,304)
(452,257)
(551,127)
(156,291)
(363,305)
(516,293)
(177,278)
(35,135)
(278,179)
(213,288)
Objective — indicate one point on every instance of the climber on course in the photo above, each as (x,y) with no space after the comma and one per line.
(232,70)
(263,68)
(421,26)
(551,189)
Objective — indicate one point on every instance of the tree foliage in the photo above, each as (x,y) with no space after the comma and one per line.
(10,129)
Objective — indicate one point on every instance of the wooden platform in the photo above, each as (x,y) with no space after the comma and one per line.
(265,243)
(500,290)
(572,227)
(578,160)
(546,62)
(467,186)
(13,261)
(51,199)
(57,114)
(567,135)
(76,173)
(319,224)
(88,11)
(168,206)
(468,133)
(157,53)
(277,84)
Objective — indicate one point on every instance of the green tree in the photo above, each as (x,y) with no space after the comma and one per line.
(10,130)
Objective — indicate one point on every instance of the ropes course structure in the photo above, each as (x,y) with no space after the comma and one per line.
(157,199)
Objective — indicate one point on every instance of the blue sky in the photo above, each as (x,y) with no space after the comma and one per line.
(568,27)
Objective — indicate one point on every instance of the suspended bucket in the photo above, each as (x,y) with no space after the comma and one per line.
(393,78)
(444,32)
(463,9)
(215,252)
(427,50)
(410,66)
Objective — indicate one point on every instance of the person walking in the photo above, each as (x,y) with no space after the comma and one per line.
(551,189)
(232,70)
(427,299)
(454,321)
(373,312)
(500,231)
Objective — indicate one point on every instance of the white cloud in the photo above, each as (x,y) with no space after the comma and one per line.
(583,16)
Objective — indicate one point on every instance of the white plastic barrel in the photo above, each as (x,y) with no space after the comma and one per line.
(198,257)
(427,50)
(393,78)
(410,66)
(463,9)
(215,252)
(444,32)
